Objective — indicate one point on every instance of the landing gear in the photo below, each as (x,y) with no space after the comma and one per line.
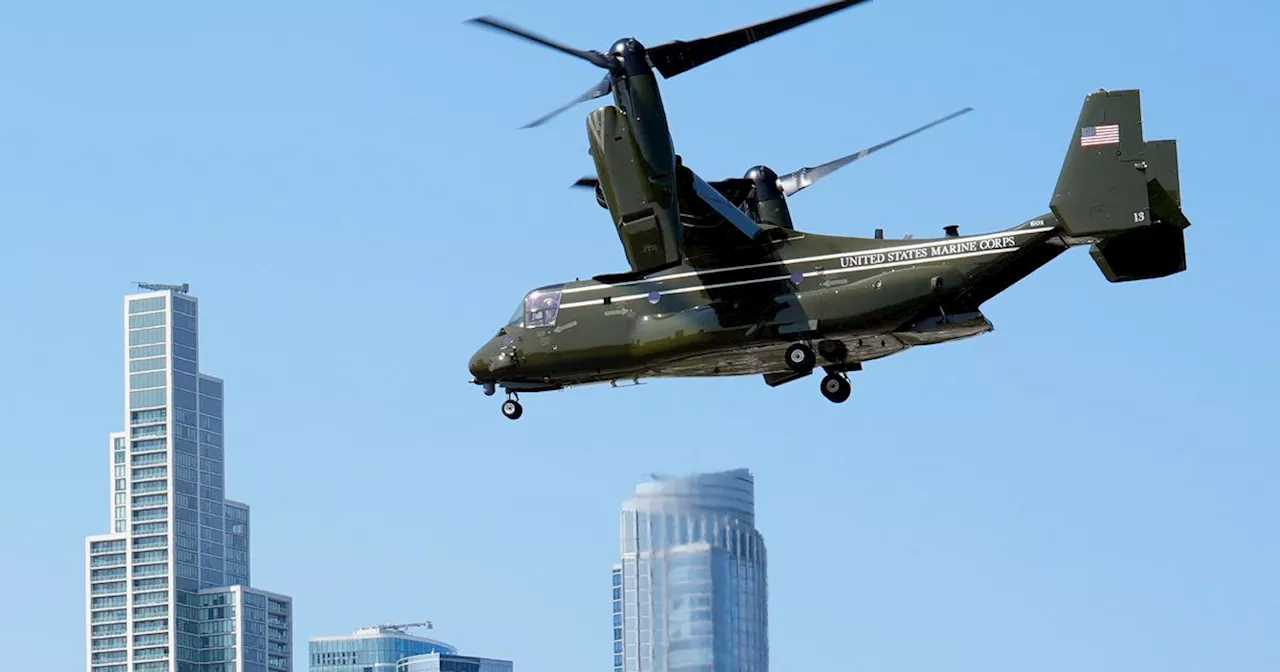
(836,388)
(833,351)
(800,358)
(512,408)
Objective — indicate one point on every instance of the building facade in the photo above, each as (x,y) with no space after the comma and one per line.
(691,592)
(375,649)
(447,662)
(168,588)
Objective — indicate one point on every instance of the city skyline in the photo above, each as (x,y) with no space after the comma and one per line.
(168,589)
(691,592)
(191,607)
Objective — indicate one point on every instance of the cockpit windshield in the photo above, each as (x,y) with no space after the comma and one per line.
(538,309)
(542,307)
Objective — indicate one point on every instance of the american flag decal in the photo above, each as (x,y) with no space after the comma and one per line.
(1092,136)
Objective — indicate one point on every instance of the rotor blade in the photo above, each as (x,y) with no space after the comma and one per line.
(793,182)
(721,205)
(591,56)
(735,189)
(601,88)
(588,182)
(676,57)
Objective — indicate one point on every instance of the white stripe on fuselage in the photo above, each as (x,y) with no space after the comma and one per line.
(807,274)
(799,260)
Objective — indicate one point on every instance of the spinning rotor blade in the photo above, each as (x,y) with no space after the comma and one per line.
(602,88)
(591,56)
(678,56)
(588,182)
(793,182)
(671,58)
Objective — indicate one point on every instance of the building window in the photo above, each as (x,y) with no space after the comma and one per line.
(143,381)
(146,336)
(183,306)
(147,351)
(146,320)
(147,398)
(146,305)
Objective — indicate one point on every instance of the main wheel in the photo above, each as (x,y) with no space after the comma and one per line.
(836,388)
(800,358)
(512,409)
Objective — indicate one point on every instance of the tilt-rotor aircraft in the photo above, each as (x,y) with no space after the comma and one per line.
(722,283)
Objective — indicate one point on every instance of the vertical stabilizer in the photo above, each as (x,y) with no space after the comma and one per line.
(1122,192)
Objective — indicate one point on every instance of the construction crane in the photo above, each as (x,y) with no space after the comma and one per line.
(184,288)
(401,627)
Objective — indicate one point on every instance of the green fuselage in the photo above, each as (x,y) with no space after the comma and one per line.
(875,296)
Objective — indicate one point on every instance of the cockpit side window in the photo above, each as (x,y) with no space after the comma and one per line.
(541,307)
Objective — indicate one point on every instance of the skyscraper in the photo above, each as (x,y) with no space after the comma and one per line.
(168,588)
(691,592)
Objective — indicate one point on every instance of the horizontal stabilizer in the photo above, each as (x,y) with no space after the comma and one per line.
(1141,254)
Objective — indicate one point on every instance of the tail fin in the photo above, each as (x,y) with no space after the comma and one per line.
(1121,192)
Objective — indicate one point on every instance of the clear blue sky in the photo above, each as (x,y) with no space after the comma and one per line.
(348,192)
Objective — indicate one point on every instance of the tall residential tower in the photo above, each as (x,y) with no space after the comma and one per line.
(168,588)
(691,593)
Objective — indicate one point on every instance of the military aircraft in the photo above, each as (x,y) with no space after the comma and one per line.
(723,284)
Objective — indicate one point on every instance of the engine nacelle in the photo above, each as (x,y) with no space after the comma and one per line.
(770,203)
(647,222)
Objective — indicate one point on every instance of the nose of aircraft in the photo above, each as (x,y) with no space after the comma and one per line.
(488,360)
(481,361)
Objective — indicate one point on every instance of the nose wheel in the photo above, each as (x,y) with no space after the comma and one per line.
(836,388)
(512,409)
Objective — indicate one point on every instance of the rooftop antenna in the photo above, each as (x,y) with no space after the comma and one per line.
(151,287)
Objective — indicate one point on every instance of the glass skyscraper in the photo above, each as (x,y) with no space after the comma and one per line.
(691,592)
(168,588)
(374,649)
(447,662)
